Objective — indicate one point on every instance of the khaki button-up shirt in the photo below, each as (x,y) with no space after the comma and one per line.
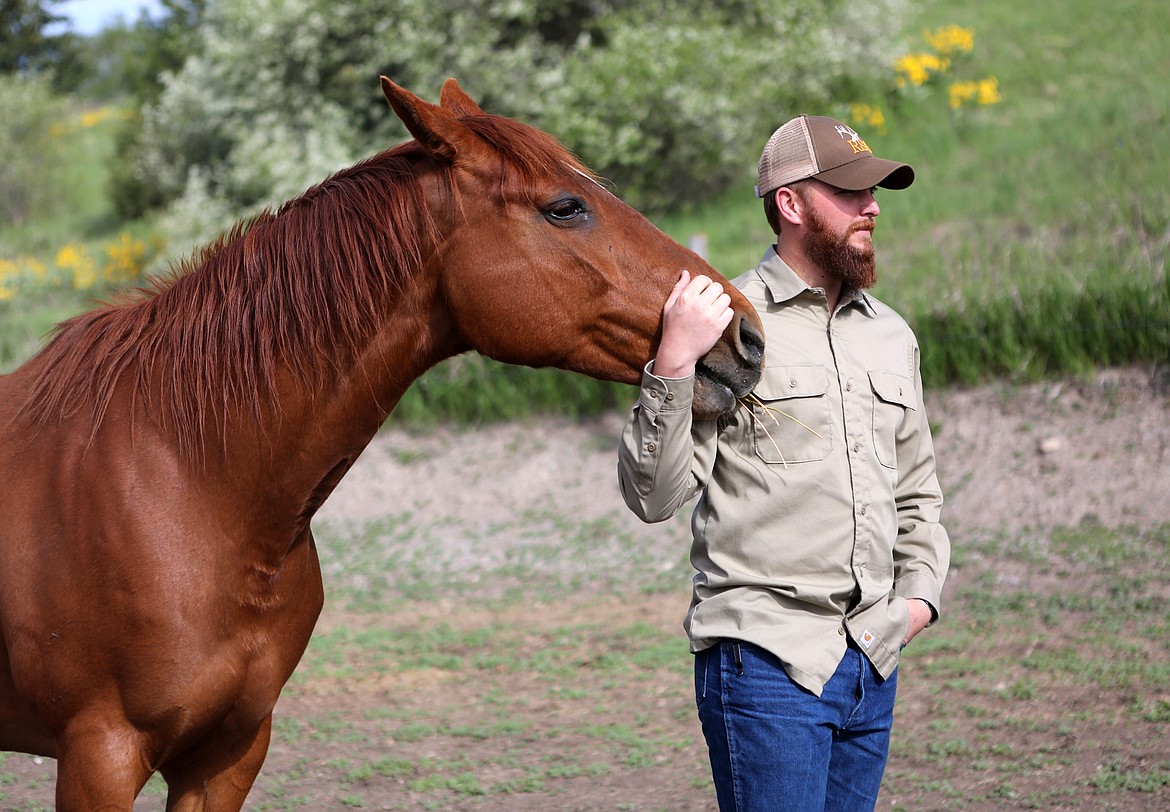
(818,510)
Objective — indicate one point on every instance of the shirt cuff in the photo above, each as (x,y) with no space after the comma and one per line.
(922,587)
(666,394)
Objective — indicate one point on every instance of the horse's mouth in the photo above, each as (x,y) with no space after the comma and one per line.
(717,394)
(730,370)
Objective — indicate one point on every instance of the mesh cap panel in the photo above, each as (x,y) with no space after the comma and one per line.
(788,156)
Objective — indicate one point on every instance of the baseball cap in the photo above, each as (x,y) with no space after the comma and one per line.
(824,148)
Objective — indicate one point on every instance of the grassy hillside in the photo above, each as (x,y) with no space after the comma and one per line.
(1034,239)
(1061,180)
(57,264)
(1033,242)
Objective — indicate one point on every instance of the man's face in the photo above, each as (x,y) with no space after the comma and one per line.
(838,232)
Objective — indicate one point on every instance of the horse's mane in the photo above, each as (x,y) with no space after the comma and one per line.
(302,288)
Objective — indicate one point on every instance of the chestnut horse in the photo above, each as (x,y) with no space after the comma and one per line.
(162,456)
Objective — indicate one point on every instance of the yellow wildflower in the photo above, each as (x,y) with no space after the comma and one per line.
(75,260)
(69,256)
(866,115)
(988,92)
(950,40)
(9,273)
(959,93)
(984,91)
(916,69)
(94,117)
(126,259)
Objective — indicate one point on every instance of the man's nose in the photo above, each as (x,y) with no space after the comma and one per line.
(871,207)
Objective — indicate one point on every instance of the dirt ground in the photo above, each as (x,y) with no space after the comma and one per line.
(1013,460)
(1009,458)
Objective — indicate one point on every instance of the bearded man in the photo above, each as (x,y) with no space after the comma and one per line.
(816,538)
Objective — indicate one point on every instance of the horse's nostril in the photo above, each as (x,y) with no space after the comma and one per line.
(751,343)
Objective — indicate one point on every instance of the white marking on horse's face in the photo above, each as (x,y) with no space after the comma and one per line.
(593,180)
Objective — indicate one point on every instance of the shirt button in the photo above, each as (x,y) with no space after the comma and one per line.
(841,631)
(654,393)
(849,386)
(856,448)
(670,395)
(792,383)
(651,447)
(864,509)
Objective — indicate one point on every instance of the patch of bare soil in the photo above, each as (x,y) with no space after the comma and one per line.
(1009,457)
(1055,454)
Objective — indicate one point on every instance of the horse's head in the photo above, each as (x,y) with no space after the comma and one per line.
(542,266)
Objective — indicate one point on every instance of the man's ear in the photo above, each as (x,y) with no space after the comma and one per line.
(789,205)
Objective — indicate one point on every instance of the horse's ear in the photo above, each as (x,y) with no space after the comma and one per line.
(432,126)
(457,101)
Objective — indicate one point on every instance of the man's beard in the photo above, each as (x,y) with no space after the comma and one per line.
(832,251)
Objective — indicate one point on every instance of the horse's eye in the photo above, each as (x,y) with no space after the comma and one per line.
(566,209)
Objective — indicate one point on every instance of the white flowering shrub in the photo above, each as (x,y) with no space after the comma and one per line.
(669,107)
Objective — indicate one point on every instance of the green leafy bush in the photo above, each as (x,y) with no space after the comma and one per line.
(669,107)
(33,148)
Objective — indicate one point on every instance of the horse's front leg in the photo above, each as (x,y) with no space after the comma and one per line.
(100,765)
(220,777)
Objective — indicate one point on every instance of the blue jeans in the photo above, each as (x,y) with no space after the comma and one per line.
(777,746)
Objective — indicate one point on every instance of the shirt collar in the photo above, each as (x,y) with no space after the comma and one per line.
(784,285)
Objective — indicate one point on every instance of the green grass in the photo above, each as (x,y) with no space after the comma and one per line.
(1046,685)
(1050,660)
(1052,655)
(409,556)
(615,652)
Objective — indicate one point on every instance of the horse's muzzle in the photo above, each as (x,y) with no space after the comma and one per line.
(731,369)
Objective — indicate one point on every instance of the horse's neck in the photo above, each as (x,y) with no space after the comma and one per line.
(308,438)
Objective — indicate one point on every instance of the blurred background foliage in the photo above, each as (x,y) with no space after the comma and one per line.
(1032,243)
(240,104)
(665,100)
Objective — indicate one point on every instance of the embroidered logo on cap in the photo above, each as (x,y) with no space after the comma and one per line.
(856,144)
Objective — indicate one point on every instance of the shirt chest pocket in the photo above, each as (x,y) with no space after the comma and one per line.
(790,420)
(893,395)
